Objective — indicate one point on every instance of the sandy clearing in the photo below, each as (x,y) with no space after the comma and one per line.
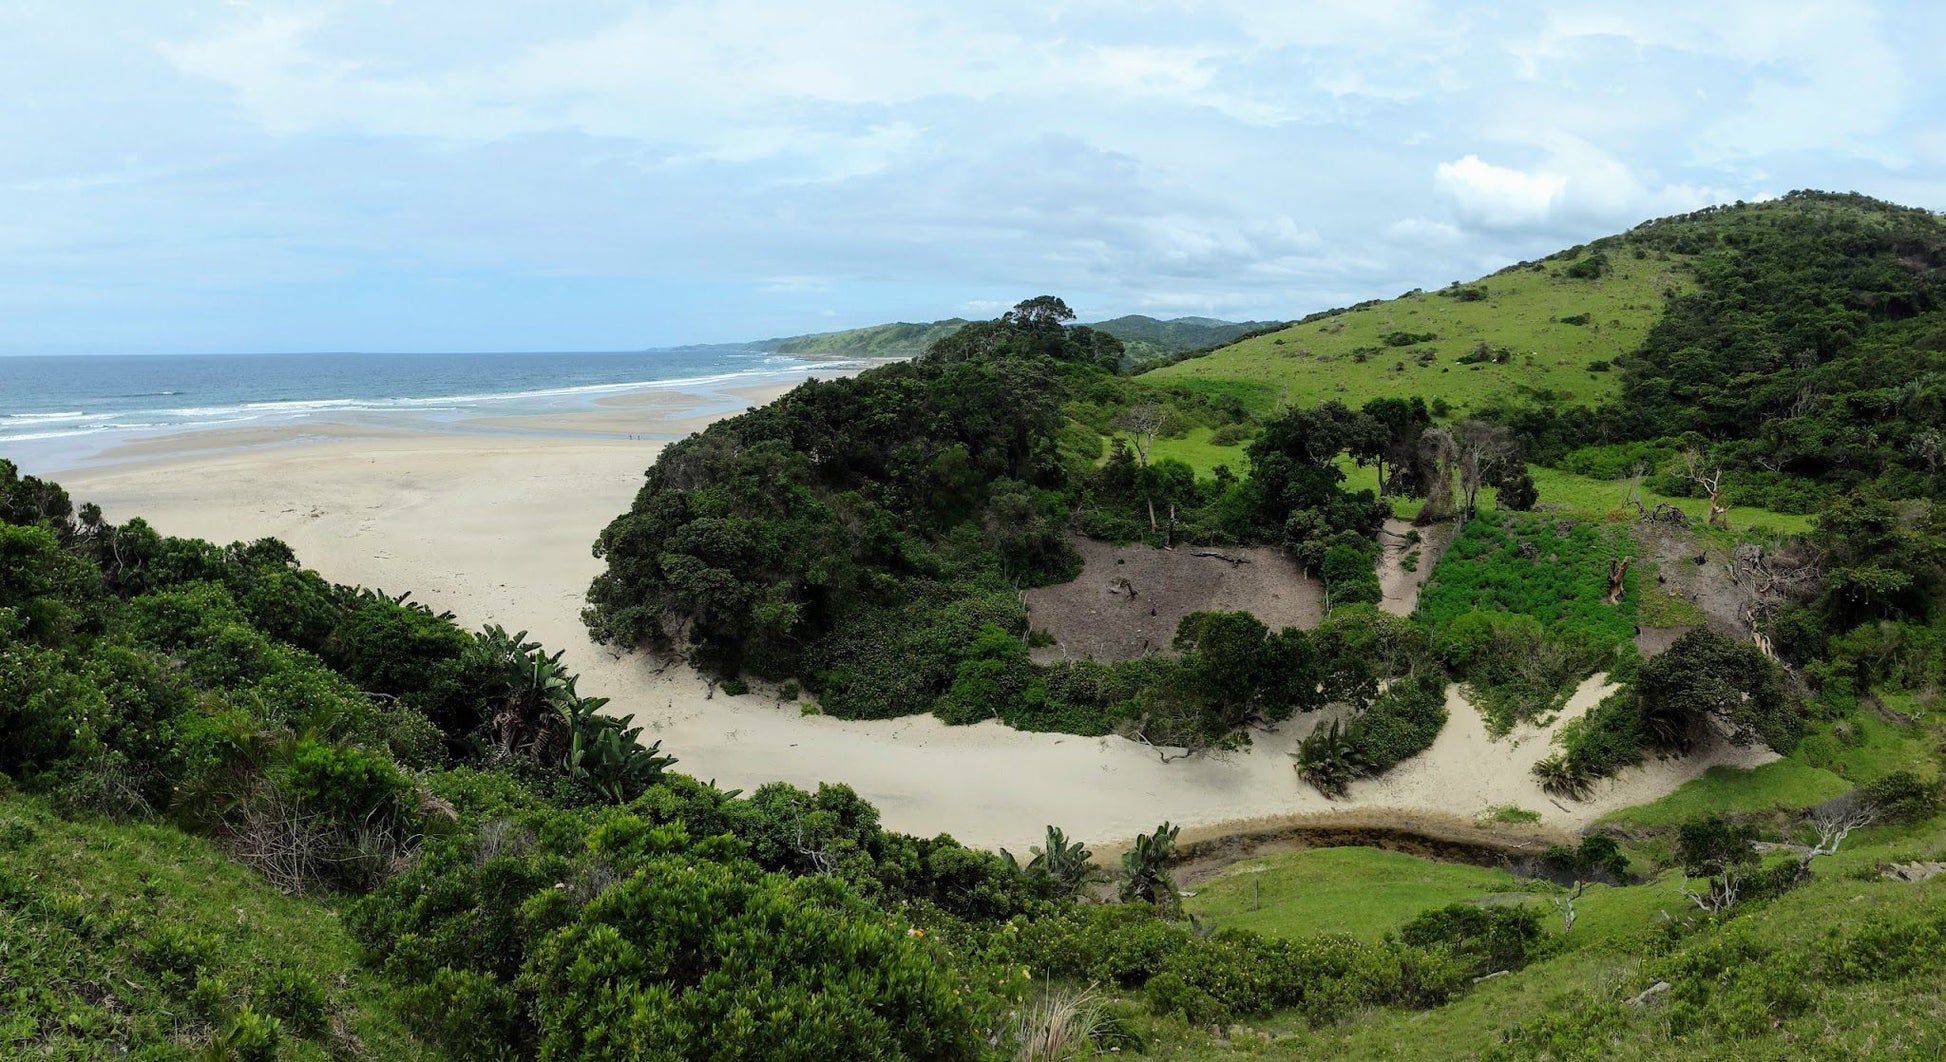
(1093,617)
(497,530)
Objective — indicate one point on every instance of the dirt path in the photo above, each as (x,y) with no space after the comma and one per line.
(1399,587)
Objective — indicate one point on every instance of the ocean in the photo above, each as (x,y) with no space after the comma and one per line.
(61,412)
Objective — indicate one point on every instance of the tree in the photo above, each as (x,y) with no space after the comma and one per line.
(1142,422)
(1706,678)
(1724,852)
(1482,450)
(1438,453)
(1228,659)
(1041,313)
(1709,480)
(1397,425)
(1516,492)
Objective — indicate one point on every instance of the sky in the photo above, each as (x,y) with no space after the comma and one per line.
(585,175)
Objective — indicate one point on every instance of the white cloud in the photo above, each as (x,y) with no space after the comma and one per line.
(1422,231)
(1578,183)
(717,166)
(1498,197)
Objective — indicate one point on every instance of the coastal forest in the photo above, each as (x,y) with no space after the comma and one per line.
(248,813)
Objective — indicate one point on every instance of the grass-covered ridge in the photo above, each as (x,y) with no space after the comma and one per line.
(1528,320)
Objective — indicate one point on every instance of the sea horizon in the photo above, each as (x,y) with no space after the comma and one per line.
(64,411)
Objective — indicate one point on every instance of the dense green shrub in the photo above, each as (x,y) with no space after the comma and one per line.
(1600,744)
(1550,569)
(1483,938)
(1596,858)
(1705,676)
(574,934)
(1902,797)
(1235,974)
(1515,669)
(1401,722)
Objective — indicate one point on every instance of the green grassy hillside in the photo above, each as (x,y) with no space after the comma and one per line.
(1368,352)
(1846,965)
(1362,891)
(138,938)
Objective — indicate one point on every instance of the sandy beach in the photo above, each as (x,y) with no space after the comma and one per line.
(495,523)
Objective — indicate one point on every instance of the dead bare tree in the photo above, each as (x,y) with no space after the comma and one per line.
(1710,480)
(1617,575)
(1437,454)
(1565,904)
(820,859)
(1632,494)
(1774,579)
(1720,894)
(1481,449)
(1142,423)
(1833,823)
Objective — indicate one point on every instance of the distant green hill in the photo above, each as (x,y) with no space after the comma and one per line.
(1146,338)
(899,340)
(1527,330)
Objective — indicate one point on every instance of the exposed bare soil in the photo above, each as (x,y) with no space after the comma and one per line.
(1128,599)
(1705,577)
(1204,854)
(1399,587)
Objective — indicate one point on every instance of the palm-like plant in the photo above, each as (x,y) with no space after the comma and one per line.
(1145,868)
(1330,757)
(1564,775)
(537,713)
(1065,867)
(605,753)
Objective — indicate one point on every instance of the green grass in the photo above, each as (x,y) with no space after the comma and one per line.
(1195,450)
(1656,607)
(1597,499)
(1786,783)
(1865,748)
(1320,361)
(1508,814)
(136,937)
(1843,1001)
(1890,1016)
(1362,891)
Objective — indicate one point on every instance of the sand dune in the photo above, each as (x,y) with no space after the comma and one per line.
(497,529)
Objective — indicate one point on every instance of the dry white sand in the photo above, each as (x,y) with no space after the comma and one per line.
(497,529)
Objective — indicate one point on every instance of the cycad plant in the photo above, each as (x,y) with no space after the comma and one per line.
(1064,867)
(1563,774)
(1330,757)
(1145,869)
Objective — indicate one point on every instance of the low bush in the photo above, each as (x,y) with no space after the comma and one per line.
(1484,939)
(1903,797)
(1401,723)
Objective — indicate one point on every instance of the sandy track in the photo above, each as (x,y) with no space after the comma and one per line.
(497,530)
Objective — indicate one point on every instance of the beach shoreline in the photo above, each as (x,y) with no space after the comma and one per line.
(496,525)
